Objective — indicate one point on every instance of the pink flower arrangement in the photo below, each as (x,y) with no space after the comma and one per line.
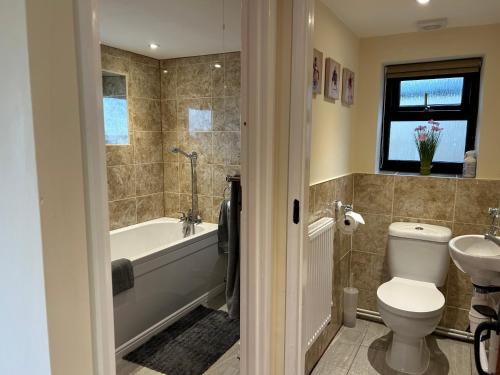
(427,138)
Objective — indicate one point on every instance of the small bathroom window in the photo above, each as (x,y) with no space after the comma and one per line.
(115,109)
(443,91)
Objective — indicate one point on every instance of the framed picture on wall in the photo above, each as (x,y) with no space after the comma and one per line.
(317,71)
(332,79)
(347,87)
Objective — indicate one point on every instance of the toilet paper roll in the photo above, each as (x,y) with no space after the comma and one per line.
(349,223)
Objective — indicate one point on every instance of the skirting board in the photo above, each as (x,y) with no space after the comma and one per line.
(141,338)
(442,331)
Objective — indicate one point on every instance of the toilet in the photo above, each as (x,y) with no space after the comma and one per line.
(410,304)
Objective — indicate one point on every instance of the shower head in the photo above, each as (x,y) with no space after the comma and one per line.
(192,155)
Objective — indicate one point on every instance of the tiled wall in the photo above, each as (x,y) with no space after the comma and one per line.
(135,171)
(459,204)
(185,102)
(201,112)
(320,196)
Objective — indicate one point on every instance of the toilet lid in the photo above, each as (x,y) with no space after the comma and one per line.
(411,298)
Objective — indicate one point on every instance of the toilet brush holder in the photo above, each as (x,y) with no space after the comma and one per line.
(350,306)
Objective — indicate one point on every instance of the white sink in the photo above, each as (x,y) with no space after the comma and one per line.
(477,257)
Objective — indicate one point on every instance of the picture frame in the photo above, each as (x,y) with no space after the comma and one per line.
(348,81)
(332,79)
(317,71)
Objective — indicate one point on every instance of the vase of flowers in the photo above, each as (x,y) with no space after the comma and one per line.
(427,138)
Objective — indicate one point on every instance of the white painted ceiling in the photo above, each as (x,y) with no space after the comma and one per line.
(368,18)
(181,27)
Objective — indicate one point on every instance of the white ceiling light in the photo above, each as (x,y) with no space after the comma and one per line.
(153,46)
(423,2)
(217,65)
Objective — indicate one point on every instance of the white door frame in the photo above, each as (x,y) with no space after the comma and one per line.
(298,181)
(96,191)
(257,149)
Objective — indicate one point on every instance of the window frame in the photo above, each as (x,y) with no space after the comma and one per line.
(392,111)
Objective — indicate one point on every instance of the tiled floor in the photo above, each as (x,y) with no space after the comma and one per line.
(228,364)
(361,351)
(354,351)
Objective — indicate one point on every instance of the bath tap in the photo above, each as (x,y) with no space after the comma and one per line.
(492,232)
(192,216)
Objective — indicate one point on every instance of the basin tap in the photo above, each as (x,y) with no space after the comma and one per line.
(492,232)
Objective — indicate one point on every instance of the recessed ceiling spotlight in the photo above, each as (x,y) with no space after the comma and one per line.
(423,2)
(217,65)
(153,46)
(165,71)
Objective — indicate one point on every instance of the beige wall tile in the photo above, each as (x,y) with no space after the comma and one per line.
(219,178)
(144,81)
(149,178)
(372,237)
(226,148)
(145,114)
(204,177)
(115,64)
(119,154)
(168,81)
(121,182)
(474,197)
(232,77)
(459,288)
(344,189)
(169,115)
(172,205)
(461,229)
(150,207)
(171,178)
(170,140)
(194,81)
(148,147)
(373,193)
(424,197)
(455,318)
(201,142)
(122,213)
(324,197)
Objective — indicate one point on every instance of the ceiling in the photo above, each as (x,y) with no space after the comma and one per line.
(368,18)
(180,27)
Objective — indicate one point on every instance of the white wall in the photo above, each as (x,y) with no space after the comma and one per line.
(23,325)
(443,44)
(332,123)
(54,90)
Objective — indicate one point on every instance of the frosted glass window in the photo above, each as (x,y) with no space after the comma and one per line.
(115,108)
(199,119)
(451,148)
(441,91)
(115,121)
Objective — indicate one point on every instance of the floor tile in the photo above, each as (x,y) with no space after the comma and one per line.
(337,359)
(377,336)
(370,361)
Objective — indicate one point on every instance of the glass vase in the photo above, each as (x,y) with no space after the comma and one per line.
(425,167)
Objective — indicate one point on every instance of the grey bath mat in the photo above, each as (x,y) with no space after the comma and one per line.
(189,346)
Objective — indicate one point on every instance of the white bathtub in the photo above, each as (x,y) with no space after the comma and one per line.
(173,275)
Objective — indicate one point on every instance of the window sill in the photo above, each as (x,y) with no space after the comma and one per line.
(414,174)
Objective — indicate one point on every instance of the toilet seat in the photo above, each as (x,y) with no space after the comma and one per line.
(411,298)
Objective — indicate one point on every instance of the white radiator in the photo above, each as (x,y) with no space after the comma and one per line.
(317,308)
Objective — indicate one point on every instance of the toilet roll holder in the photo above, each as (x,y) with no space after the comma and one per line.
(341,208)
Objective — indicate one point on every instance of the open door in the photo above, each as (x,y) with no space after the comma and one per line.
(298,181)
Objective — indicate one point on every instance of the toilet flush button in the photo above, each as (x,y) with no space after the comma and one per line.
(419,228)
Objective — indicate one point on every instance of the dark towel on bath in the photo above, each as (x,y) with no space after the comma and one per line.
(223,230)
(233,258)
(123,275)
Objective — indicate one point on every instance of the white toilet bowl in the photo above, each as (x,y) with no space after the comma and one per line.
(412,310)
